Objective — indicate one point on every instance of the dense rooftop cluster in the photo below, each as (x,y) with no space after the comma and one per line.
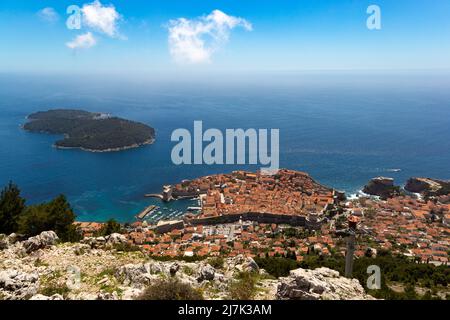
(404,224)
(286,193)
(408,225)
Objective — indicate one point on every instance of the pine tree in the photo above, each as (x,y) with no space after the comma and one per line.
(57,215)
(112,226)
(11,206)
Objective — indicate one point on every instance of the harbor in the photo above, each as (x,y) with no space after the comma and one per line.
(160,210)
(148,211)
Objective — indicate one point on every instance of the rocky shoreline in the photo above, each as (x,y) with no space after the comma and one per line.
(134,146)
(384,187)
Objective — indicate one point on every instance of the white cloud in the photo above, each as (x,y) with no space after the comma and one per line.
(83,41)
(194,41)
(48,14)
(101,18)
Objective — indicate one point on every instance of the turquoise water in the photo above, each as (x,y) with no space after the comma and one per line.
(342,129)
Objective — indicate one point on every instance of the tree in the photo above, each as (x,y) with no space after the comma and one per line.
(57,215)
(11,206)
(112,226)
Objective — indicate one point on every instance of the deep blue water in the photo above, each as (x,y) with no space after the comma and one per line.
(342,129)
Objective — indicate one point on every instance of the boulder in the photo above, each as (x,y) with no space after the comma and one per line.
(100,240)
(17,285)
(174,268)
(108,296)
(135,275)
(241,263)
(382,187)
(93,242)
(116,238)
(319,284)
(80,249)
(206,273)
(44,240)
(7,241)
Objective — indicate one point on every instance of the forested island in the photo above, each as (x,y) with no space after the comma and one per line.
(90,131)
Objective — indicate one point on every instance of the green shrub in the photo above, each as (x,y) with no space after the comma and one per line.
(126,247)
(216,262)
(57,215)
(11,207)
(277,267)
(110,227)
(51,290)
(170,289)
(244,288)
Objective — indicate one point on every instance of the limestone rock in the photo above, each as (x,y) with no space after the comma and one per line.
(94,243)
(135,275)
(382,187)
(81,249)
(319,284)
(44,240)
(421,185)
(207,273)
(116,238)
(17,285)
(108,296)
(8,241)
(174,267)
(241,263)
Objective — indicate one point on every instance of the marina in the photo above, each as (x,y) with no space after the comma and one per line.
(149,210)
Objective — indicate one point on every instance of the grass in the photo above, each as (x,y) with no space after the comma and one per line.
(53,289)
(244,287)
(39,263)
(112,289)
(187,270)
(126,247)
(108,272)
(216,262)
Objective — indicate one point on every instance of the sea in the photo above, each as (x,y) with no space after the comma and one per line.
(343,128)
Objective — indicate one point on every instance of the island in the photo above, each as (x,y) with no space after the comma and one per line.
(90,131)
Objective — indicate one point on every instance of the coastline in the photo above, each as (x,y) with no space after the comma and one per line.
(134,146)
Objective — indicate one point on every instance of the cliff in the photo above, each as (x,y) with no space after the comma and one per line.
(427,185)
(382,187)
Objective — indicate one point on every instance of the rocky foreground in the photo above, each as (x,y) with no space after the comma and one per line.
(40,268)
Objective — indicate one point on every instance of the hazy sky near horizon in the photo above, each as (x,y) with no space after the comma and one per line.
(176,36)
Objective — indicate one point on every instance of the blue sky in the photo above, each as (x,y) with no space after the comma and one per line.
(284,35)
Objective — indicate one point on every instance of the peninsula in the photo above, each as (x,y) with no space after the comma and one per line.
(94,132)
